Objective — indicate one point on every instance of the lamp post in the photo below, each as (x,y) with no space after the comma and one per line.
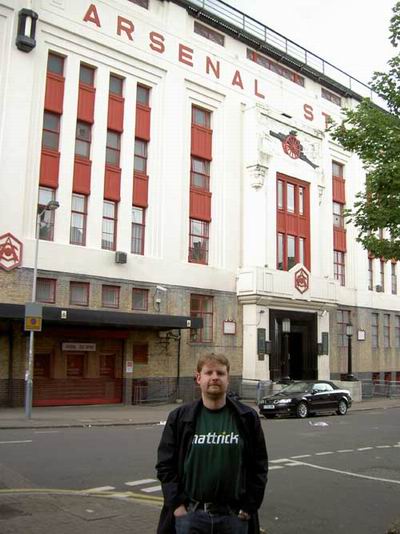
(285,332)
(50,206)
(349,334)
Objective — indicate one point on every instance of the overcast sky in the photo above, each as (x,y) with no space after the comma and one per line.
(353,35)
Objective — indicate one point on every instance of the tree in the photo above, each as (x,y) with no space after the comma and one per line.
(374,134)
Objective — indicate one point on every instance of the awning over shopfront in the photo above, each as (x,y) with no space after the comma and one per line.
(100,318)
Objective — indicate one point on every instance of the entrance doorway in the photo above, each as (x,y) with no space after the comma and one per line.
(294,347)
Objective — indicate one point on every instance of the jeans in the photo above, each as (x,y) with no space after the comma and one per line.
(200,522)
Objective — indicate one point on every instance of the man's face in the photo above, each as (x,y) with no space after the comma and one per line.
(213,380)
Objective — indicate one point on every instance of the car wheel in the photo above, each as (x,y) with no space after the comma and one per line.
(302,410)
(342,407)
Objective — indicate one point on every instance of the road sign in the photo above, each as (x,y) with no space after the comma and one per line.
(33,317)
(33,323)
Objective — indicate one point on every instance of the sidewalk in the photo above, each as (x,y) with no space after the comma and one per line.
(117,414)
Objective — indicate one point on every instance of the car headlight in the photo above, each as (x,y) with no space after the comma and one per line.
(284,401)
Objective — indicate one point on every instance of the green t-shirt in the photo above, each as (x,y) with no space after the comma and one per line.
(213,464)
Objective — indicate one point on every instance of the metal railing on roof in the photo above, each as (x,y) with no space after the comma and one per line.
(250,27)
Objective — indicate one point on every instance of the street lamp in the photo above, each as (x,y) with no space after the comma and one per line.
(285,332)
(50,206)
(349,334)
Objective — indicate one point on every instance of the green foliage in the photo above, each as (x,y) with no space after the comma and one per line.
(374,134)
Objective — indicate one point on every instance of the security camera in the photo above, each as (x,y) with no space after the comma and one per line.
(161,288)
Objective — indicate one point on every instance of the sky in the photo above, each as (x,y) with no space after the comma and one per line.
(353,35)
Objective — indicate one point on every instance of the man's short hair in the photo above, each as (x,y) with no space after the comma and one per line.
(217,358)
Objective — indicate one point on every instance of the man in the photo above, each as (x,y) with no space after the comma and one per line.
(212,460)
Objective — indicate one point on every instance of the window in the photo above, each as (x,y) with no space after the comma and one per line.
(201,117)
(109,226)
(46,225)
(141,3)
(292,216)
(55,64)
(200,174)
(397,332)
(386,330)
(110,296)
(79,293)
(375,330)
(140,161)
(370,274)
(140,353)
(338,218)
(78,219)
(342,319)
(337,169)
(339,266)
(46,290)
(198,241)
(83,139)
(382,274)
(86,75)
(275,67)
(113,148)
(202,306)
(140,299)
(116,85)
(51,131)
(331,97)
(143,95)
(394,279)
(138,227)
(208,33)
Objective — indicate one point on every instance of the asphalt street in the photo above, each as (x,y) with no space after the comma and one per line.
(327,474)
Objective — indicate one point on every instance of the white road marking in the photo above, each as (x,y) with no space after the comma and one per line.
(280,460)
(101,488)
(323,453)
(20,441)
(152,489)
(345,450)
(301,456)
(383,446)
(276,467)
(347,473)
(46,432)
(365,449)
(140,482)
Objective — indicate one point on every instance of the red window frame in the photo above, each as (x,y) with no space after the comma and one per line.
(198,241)
(79,302)
(51,283)
(111,221)
(275,67)
(200,179)
(200,307)
(382,273)
(394,278)
(115,290)
(338,217)
(370,274)
(208,33)
(78,214)
(339,271)
(51,131)
(144,293)
(293,222)
(113,148)
(138,230)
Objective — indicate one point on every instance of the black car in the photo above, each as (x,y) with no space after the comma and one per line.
(306,397)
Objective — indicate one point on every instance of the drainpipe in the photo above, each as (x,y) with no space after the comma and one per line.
(10,364)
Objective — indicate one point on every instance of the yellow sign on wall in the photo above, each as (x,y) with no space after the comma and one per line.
(33,323)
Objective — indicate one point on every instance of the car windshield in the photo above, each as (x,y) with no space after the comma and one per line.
(298,387)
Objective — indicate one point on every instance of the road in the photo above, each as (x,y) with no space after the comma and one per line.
(327,474)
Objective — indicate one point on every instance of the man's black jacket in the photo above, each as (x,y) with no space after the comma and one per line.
(175,443)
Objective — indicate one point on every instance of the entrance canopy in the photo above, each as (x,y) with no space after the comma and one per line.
(73,316)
